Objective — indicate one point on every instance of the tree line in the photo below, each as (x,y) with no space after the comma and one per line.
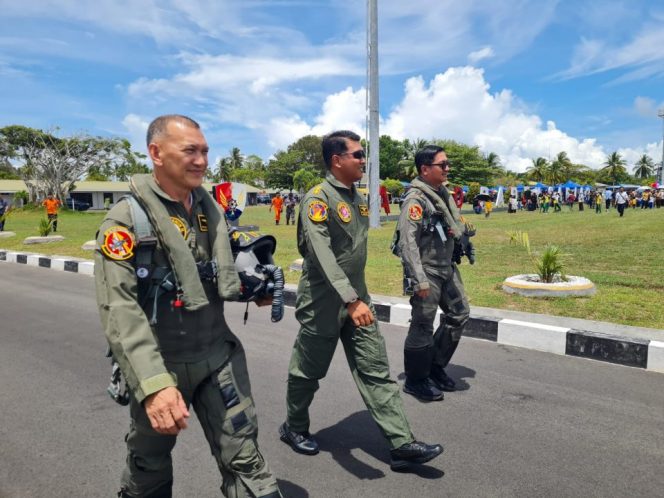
(47,162)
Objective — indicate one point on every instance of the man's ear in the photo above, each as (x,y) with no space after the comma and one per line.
(155,153)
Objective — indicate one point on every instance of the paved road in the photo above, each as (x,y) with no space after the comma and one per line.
(526,424)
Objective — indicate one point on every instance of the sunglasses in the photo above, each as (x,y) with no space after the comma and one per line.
(443,165)
(358,154)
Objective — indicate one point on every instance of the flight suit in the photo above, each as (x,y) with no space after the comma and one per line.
(332,238)
(427,262)
(193,350)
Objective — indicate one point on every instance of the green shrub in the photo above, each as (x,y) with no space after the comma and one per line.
(548,264)
(45,227)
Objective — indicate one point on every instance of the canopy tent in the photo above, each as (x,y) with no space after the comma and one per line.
(570,184)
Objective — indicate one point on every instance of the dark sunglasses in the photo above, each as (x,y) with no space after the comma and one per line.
(358,154)
(443,165)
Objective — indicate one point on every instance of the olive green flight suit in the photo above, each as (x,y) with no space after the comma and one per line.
(427,261)
(332,238)
(193,350)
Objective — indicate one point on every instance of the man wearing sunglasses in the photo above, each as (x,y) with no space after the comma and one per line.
(333,304)
(429,230)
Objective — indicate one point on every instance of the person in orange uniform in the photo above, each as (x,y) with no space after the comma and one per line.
(277,205)
(52,205)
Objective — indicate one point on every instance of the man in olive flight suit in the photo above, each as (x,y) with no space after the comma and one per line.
(429,231)
(171,339)
(333,303)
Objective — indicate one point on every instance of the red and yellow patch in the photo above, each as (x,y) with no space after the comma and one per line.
(179,224)
(118,243)
(344,212)
(415,212)
(364,210)
(317,211)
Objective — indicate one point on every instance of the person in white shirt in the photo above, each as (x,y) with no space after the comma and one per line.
(621,201)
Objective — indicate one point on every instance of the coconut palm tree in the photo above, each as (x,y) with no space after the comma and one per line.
(538,170)
(559,168)
(614,167)
(644,167)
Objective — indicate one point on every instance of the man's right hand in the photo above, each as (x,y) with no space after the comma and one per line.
(423,293)
(167,411)
(360,313)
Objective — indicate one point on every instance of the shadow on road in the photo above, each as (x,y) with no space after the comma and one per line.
(359,432)
(292,490)
(458,372)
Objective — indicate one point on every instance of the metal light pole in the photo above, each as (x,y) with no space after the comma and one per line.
(374,138)
(660,180)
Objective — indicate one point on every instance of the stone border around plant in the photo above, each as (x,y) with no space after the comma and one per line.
(528,285)
(629,351)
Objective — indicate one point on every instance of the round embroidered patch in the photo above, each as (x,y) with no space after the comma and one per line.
(415,212)
(317,211)
(118,243)
(344,212)
(179,224)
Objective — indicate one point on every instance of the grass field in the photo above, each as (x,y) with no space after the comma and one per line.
(624,257)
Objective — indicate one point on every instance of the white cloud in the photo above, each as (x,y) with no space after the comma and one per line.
(641,57)
(137,128)
(344,110)
(458,105)
(478,55)
(645,107)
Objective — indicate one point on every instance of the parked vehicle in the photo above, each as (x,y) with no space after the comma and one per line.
(76,205)
(263,199)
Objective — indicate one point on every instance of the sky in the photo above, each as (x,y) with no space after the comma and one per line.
(518,78)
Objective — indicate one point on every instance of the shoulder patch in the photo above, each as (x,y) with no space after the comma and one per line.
(317,211)
(344,212)
(179,224)
(415,212)
(364,210)
(316,190)
(118,243)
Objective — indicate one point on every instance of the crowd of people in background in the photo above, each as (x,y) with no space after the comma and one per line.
(596,200)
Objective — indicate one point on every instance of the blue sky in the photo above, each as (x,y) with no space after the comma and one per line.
(519,78)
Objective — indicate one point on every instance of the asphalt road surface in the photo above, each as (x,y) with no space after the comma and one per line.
(524,424)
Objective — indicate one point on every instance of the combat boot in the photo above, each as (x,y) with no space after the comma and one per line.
(412,454)
(302,442)
(441,380)
(424,390)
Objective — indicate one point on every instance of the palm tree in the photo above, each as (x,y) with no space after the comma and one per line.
(644,167)
(538,170)
(493,160)
(614,167)
(224,169)
(236,159)
(559,168)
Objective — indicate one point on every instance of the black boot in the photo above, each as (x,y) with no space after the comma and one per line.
(412,454)
(424,390)
(441,380)
(417,365)
(302,442)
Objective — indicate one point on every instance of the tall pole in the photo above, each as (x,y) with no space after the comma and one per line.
(374,138)
(660,180)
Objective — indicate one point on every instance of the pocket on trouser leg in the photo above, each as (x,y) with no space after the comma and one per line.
(369,351)
(238,408)
(247,474)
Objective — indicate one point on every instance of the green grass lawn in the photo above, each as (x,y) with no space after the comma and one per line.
(622,256)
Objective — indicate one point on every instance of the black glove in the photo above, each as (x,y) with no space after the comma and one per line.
(458,252)
(469,251)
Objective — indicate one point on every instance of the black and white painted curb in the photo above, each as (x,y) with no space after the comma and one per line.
(629,351)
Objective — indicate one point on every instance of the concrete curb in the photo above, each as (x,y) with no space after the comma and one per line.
(636,352)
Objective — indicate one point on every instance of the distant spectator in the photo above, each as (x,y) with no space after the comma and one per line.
(277,205)
(4,209)
(608,197)
(621,201)
(290,208)
(52,205)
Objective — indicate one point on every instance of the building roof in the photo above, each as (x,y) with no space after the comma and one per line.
(11,186)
